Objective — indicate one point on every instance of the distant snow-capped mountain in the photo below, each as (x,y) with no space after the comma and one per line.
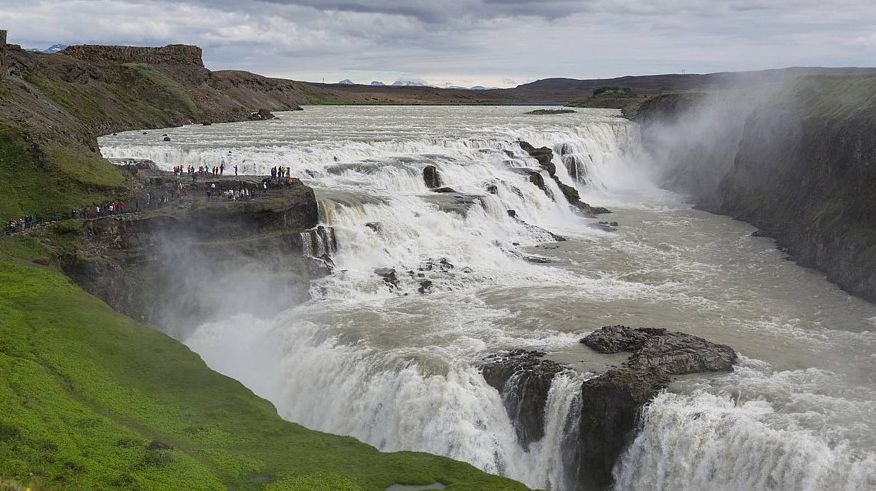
(410,83)
(51,49)
(377,83)
(346,81)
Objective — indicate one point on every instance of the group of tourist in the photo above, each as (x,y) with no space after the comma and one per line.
(202,170)
(173,191)
(17,225)
(281,172)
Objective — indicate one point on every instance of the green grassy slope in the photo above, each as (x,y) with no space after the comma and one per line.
(50,178)
(90,399)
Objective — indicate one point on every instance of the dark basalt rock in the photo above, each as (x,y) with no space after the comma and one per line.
(191,262)
(389,276)
(524,380)
(675,353)
(425,287)
(614,339)
(543,112)
(544,156)
(261,115)
(444,190)
(537,179)
(431,177)
(376,227)
(610,406)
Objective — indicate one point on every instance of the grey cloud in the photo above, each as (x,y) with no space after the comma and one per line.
(492,42)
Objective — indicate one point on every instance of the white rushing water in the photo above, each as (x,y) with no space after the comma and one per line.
(398,369)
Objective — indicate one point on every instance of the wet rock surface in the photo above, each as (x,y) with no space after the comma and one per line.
(524,380)
(389,276)
(605,415)
(675,353)
(611,403)
(195,260)
(261,115)
(544,156)
(431,177)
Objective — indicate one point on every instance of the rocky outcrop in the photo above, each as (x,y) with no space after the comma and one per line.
(612,402)
(523,378)
(606,413)
(191,262)
(545,157)
(261,115)
(609,409)
(173,54)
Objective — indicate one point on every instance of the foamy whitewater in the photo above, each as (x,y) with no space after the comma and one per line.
(398,369)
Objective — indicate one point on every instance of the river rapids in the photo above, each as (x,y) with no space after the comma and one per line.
(397,368)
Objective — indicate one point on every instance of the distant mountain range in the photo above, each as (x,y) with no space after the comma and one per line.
(551,91)
(51,49)
(414,83)
(410,83)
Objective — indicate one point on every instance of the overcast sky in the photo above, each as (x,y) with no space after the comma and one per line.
(467,42)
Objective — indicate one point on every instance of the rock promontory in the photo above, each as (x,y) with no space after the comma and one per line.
(545,157)
(608,407)
(176,261)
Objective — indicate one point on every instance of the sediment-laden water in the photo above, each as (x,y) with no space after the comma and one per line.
(397,368)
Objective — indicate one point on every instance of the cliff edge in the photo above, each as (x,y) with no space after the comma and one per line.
(797,161)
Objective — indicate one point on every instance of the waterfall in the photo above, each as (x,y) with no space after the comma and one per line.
(396,366)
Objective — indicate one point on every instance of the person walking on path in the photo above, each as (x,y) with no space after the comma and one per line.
(235,170)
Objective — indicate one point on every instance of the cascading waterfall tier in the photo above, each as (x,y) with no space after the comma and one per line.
(397,367)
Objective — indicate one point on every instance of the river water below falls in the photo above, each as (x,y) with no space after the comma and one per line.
(398,369)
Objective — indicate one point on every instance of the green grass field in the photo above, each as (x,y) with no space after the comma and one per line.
(90,399)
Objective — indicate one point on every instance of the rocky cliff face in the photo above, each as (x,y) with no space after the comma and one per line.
(197,261)
(174,54)
(810,182)
(800,164)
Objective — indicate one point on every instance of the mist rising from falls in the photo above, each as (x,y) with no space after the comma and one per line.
(398,369)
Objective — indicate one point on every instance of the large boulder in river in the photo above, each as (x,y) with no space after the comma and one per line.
(431,177)
(524,379)
(676,353)
(261,115)
(609,405)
